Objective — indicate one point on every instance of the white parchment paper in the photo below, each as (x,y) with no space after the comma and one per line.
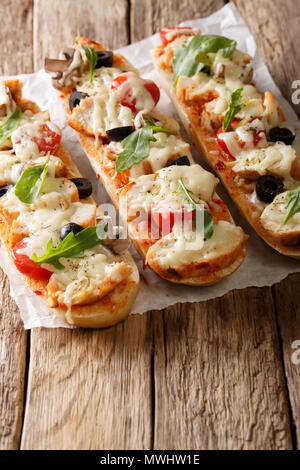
(262,266)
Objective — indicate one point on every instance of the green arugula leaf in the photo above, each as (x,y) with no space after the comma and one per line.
(190,60)
(10,125)
(136,148)
(30,183)
(92,58)
(72,246)
(208,219)
(159,128)
(292,203)
(234,108)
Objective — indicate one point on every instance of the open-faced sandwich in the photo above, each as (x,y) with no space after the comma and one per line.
(178,223)
(241,132)
(49,222)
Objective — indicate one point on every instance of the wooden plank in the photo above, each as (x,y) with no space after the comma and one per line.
(219,382)
(101,20)
(150,16)
(275,25)
(90,389)
(87,389)
(13,339)
(15,57)
(16,31)
(287,297)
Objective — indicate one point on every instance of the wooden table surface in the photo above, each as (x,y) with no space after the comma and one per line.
(210,375)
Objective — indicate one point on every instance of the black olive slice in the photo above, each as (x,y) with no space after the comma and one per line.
(206,69)
(181,161)
(5,189)
(84,187)
(68,228)
(75,99)
(119,133)
(105,59)
(268,187)
(281,134)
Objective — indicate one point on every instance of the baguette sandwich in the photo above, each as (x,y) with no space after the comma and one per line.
(240,131)
(48,222)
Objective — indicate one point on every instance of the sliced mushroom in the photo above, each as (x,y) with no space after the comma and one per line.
(64,70)
(57,65)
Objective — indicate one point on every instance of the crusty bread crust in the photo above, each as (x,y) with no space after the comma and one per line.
(115,183)
(113,307)
(205,144)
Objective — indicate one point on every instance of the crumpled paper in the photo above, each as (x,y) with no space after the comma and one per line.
(262,267)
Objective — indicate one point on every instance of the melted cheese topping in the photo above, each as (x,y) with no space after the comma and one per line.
(243,137)
(163,150)
(30,129)
(134,85)
(276,159)
(12,167)
(162,188)
(84,277)
(274,215)
(108,112)
(180,248)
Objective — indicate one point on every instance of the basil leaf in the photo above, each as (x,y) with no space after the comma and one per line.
(30,183)
(190,60)
(208,224)
(208,219)
(92,58)
(292,203)
(72,246)
(234,108)
(10,125)
(160,129)
(136,148)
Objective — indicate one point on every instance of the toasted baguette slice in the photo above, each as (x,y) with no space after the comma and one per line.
(194,266)
(197,111)
(90,305)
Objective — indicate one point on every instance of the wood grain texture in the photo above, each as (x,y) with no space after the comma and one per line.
(287,297)
(16,33)
(90,389)
(217,372)
(102,20)
(15,57)
(275,25)
(219,382)
(87,389)
(150,16)
(12,369)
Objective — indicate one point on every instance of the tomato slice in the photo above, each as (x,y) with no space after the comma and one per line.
(221,142)
(165,31)
(127,98)
(258,135)
(27,266)
(153,90)
(49,140)
(165,219)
